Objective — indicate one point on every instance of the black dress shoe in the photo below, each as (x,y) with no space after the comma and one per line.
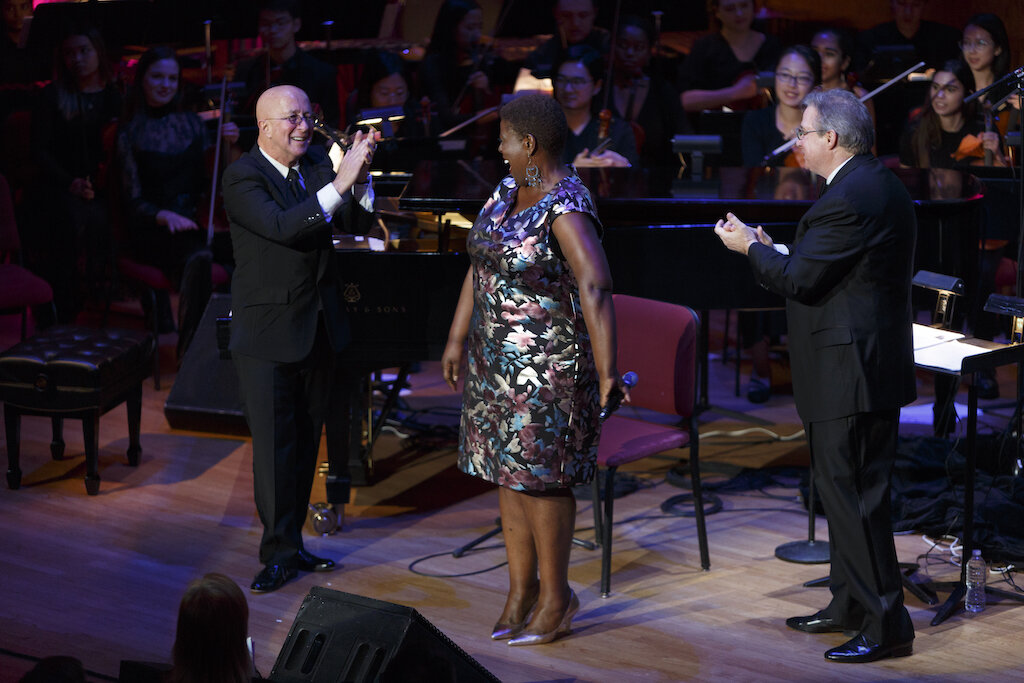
(308,562)
(816,623)
(272,577)
(863,649)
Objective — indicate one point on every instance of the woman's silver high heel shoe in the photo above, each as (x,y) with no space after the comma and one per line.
(504,630)
(564,626)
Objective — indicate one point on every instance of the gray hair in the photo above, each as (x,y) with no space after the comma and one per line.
(842,111)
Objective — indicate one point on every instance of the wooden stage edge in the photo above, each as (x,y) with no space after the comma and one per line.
(100,577)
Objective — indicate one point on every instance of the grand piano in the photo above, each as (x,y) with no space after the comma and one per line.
(658,238)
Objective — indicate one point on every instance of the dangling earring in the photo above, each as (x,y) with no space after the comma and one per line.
(532,173)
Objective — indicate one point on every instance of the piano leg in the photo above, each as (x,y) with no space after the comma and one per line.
(349,461)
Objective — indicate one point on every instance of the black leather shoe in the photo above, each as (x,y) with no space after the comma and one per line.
(308,562)
(863,649)
(816,623)
(272,577)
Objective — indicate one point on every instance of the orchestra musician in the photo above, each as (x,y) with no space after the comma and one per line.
(836,48)
(453,74)
(798,71)
(721,69)
(846,280)
(283,199)
(577,80)
(642,98)
(536,308)
(574,20)
(284,63)
(70,222)
(161,153)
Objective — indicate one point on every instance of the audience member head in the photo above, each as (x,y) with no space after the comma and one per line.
(986,45)
(383,83)
(58,669)
(15,12)
(277,22)
(633,45)
(907,15)
(458,27)
(835,125)
(797,72)
(531,125)
(835,48)
(578,78)
(731,16)
(210,643)
(156,81)
(575,19)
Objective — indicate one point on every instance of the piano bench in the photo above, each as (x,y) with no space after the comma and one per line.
(79,373)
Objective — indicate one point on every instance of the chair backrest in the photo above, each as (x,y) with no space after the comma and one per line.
(658,341)
(9,241)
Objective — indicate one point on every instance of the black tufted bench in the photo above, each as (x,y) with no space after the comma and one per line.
(74,372)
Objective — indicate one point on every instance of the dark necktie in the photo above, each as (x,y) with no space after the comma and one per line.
(295,189)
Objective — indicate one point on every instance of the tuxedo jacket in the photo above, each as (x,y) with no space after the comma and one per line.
(847,284)
(285,271)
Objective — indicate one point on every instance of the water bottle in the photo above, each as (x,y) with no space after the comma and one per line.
(976,573)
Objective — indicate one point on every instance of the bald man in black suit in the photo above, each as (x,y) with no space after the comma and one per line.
(847,280)
(284,200)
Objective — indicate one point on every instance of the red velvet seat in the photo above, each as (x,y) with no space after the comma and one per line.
(657,341)
(20,289)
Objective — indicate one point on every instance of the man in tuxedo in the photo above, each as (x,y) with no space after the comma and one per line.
(284,200)
(846,280)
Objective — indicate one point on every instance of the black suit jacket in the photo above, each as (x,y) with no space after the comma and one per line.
(847,284)
(285,267)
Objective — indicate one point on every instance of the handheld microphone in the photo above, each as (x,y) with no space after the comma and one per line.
(615,398)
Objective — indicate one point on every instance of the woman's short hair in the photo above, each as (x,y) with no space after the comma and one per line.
(842,111)
(538,115)
(213,623)
(995,27)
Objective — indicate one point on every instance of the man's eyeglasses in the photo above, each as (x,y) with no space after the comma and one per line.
(294,119)
(801,133)
(979,44)
(796,79)
(563,82)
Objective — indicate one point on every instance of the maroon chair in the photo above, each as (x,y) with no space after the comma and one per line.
(19,288)
(657,341)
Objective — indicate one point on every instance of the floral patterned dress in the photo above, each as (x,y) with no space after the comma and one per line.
(531,400)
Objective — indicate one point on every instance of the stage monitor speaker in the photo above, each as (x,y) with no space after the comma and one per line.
(205,396)
(344,637)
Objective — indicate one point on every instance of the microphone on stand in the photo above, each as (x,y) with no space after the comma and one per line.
(615,398)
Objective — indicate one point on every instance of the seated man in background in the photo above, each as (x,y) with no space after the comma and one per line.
(575,20)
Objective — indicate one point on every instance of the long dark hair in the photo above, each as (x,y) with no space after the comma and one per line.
(807,54)
(996,29)
(443,39)
(213,623)
(928,134)
(136,101)
(64,81)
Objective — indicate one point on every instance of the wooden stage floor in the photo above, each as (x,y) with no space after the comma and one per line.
(100,577)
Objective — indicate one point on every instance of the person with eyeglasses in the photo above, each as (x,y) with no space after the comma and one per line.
(985,47)
(284,199)
(285,63)
(846,279)
(577,81)
(796,74)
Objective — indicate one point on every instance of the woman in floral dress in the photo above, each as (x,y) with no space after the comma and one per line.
(536,311)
